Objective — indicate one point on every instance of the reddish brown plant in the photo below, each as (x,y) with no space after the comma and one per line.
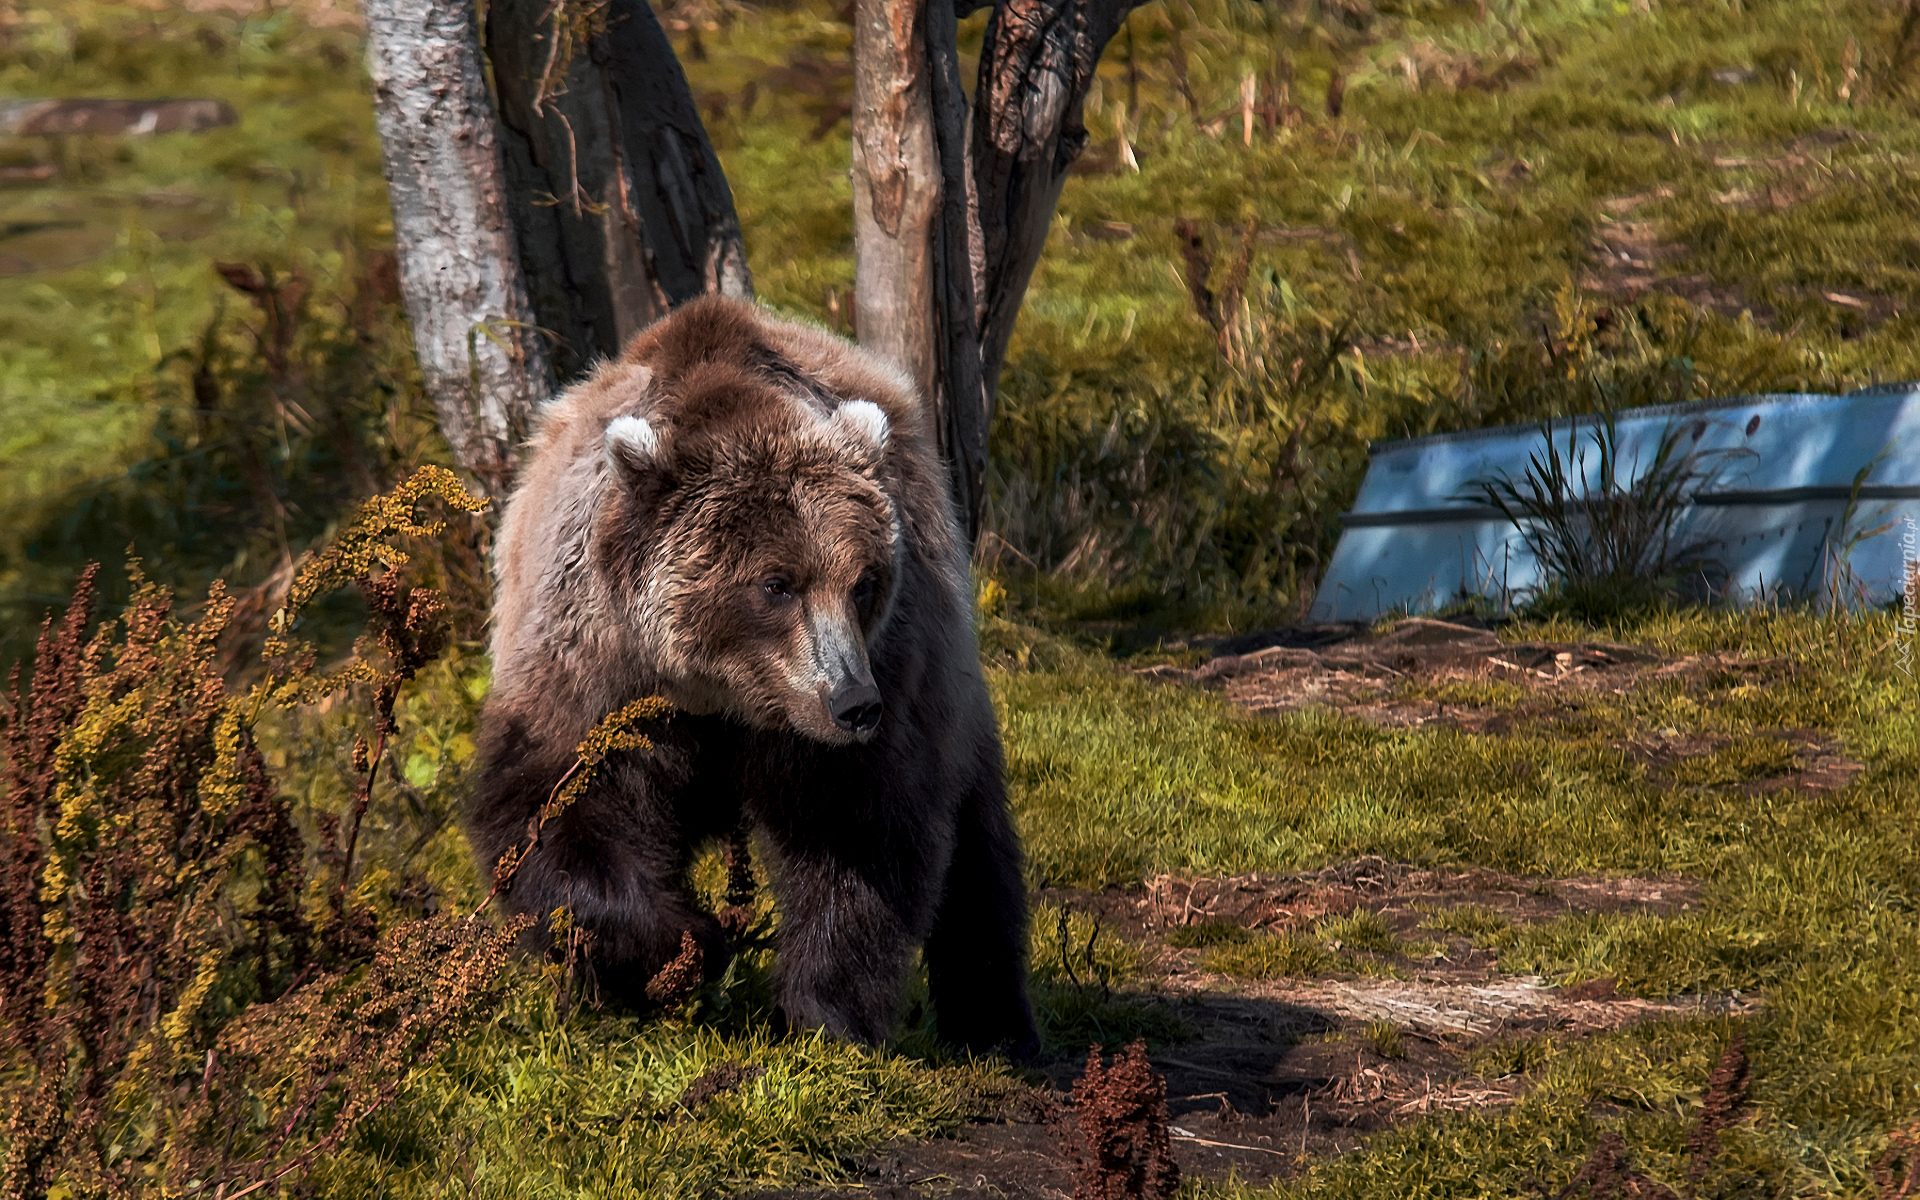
(1608,1174)
(717,1081)
(1897,1172)
(1720,1107)
(171,1018)
(679,979)
(1120,1144)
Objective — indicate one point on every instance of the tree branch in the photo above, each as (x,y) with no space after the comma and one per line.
(951,212)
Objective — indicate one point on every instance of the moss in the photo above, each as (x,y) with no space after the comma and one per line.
(1272,956)
(1208,933)
(1475,921)
(1362,929)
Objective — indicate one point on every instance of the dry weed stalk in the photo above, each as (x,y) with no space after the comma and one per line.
(1609,1172)
(1720,1107)
(617,731)
(1122,1150)
(1897,1172)
(171,1013)
(718,1081)
(676,982)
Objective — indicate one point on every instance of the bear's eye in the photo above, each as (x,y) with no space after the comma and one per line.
(863,590)
(776,587)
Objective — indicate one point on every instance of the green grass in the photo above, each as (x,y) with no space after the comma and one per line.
(1084,987)
(1208,933)
(1383,1038)
(540,1106)
(1116,777)
(1072,947)
(1745,759)
(1810,901)
(118,246)
(1475,921)
(1362,929)
(141,409)
(1269,956)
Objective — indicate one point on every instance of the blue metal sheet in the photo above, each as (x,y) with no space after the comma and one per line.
(1774,517)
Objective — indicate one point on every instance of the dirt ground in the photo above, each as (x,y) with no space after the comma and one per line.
(1277,1073)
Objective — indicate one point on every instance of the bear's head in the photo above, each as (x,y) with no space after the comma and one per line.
(751,542)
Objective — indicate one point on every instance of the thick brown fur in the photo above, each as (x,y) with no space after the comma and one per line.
(721,517)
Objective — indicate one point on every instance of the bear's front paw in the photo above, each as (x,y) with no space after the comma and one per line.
(800,1013)
(1020,1047)
(1003,1026)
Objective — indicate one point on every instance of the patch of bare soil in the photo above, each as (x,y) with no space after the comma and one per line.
(1425,672)
(1630,257)
(1278,1073)
(1364,675)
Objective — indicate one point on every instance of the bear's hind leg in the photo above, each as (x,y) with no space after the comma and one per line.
(977,953)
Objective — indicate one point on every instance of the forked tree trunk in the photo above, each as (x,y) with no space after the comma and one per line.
(940,277)
(549,239)
(1035,68)
(483,363)
(599,204)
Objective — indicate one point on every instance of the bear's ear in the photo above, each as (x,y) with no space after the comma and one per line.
(862,420)
(636,445)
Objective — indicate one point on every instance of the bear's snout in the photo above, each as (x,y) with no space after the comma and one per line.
(855,707)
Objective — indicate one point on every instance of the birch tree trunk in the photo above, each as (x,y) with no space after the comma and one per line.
(483,362)
(939,281)
(622,208)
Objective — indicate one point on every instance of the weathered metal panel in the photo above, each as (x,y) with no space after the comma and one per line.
(1775,516)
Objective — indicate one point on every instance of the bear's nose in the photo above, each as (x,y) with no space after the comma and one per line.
(855,707)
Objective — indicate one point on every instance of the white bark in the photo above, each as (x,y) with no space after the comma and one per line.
(482,359)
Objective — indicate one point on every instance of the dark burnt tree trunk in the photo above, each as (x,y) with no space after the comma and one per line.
(951,207)
(622,209)
(536,242)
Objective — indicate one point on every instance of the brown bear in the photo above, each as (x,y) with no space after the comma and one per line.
(750,518)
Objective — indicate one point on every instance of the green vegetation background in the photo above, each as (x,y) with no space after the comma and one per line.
(1439,255)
